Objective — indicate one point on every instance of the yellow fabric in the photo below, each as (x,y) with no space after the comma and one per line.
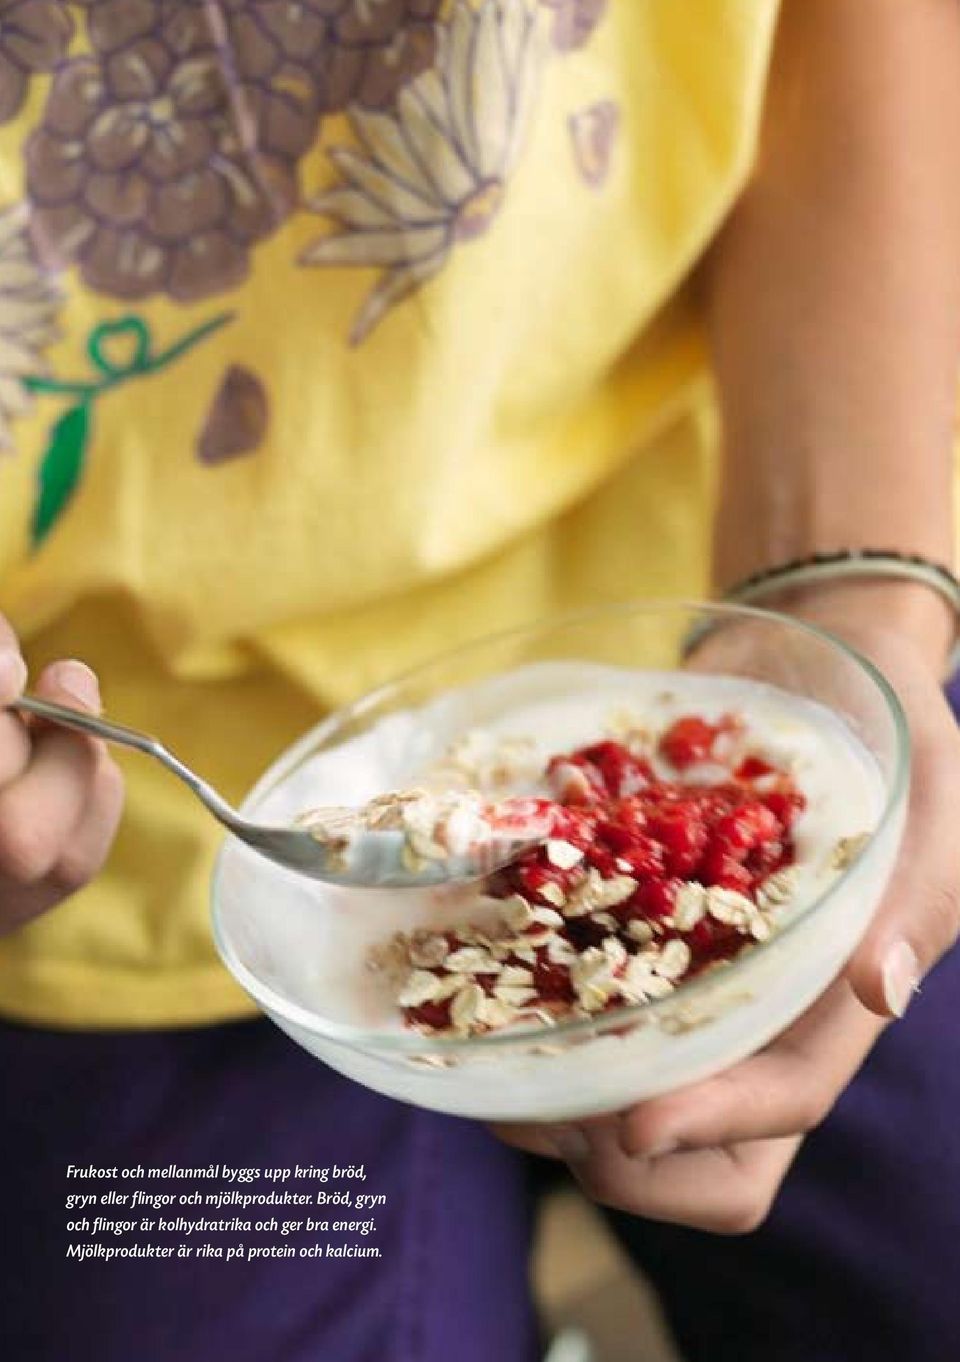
(527,429)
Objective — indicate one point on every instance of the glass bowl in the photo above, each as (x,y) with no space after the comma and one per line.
(299,948)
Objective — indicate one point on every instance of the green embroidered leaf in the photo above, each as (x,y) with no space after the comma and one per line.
(60,468)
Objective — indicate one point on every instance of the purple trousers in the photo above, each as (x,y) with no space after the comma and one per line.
(859,1260)
(451,1285)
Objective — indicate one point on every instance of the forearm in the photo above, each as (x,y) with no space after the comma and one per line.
(834,297)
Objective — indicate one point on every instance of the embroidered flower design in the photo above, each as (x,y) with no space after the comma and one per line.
(433,172)
(34,36)
(574,22)
(155,168)
(28,308)
(593,134)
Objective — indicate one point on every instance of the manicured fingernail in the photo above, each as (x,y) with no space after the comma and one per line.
(13,674)
(78,681)
(901,977)
(571,1144)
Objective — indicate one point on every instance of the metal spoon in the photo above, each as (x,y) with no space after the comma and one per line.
(373,859)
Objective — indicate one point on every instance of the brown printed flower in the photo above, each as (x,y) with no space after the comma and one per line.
(112,24)
(371,48)
(34,36)
(156,170)
(359,52)
(574,22)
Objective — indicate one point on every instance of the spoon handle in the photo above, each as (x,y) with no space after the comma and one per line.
(82,722)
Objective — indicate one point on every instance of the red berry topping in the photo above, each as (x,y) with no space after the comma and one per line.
(621,771)
(684,837)
(754,768)
(648,837)
(552,982)
(430,1016)
(656,898)
(691,739)
(786,804)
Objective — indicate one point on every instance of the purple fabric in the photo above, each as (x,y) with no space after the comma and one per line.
(953,693)
(859,1257)
(451,1285)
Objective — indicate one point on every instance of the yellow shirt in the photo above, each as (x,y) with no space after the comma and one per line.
(326,343)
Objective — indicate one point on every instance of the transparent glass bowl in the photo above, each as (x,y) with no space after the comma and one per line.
(298,947)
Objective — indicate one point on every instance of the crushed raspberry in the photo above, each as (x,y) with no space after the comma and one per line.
(655,898)
(534,880)
(746,827)
(429,1016)
(683,836)
(722,869)
(712,941)
(754,768)
(786,804)
(552,982)
(691,739)
(621,771)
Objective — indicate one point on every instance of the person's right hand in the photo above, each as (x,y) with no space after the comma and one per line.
(60,793)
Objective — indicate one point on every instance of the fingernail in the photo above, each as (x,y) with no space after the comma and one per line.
(668,1145)
(13,673)
(78,681)
(901,977)
(571,1144)
(635,1148)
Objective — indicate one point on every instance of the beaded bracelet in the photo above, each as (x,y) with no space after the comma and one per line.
(830,567)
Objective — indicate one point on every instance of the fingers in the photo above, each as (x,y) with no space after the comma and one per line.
(40,810)
(59,811)
(548,1141)
(83,855)
(14,748)
(786,1089)
(71,683)
(725,1191)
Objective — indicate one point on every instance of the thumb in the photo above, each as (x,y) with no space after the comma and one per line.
(917,922)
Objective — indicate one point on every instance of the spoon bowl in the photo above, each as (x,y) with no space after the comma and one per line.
(373,859)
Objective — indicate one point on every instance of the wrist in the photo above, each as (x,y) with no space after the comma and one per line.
(865,612)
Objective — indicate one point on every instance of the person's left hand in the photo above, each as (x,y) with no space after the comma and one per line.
(713,1155)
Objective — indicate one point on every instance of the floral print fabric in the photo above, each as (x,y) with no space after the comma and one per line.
(34,35)
(28,311)
(433,172)
(170,143)
(171,148)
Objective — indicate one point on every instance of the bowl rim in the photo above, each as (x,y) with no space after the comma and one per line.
(412,1043)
